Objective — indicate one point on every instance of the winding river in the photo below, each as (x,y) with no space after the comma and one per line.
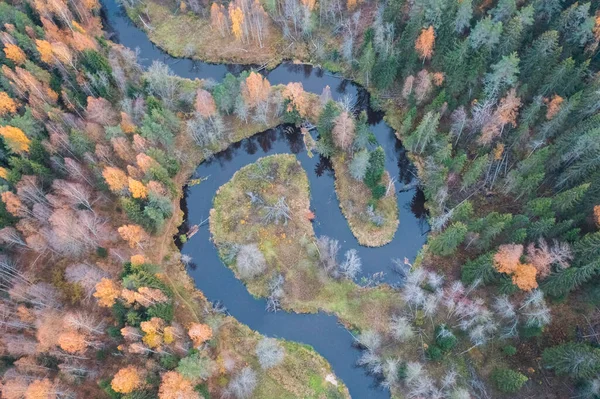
(322,331)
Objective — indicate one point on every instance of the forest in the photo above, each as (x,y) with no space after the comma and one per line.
(496,104)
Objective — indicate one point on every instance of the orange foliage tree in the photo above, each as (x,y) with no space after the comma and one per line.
(15,139)
(508,260)
(294,92)
(137,260)
(40,389)
(13,204)
(554,106)
(115,178)
(425,42)
(597,215)
(7,104)
(217,18)
(107,292)
(174,386)
(72,341)
(524,277)
(506,113)
(134,234)
(126,380)
(15,54)
(127,124)
(508,257)
(205,104)
(255,89)
(200,333)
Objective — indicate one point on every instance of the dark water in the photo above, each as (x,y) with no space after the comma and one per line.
(320,330)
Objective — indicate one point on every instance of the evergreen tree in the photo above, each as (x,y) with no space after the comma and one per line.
(375,169)
(446,243)
(577,360)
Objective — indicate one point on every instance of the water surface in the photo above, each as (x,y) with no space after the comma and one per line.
(216,281)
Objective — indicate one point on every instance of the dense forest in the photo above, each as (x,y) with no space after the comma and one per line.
(497,102)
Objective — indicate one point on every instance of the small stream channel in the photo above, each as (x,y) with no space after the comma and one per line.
(216,281)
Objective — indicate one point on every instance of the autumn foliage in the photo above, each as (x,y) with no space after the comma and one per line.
(597,215)
(425,42)
(7,104)
(15,54)
(134,235)
(554,106)
(175,386)
(255,89)
(15,139)
(200,333)
(115,178)
(508,260)
(126,380)
(107,292)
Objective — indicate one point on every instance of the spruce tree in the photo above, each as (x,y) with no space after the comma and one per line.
(375,169)
(577,360)
(446,243)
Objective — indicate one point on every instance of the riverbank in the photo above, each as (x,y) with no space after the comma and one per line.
(289,247)
(166,26)
(373,222)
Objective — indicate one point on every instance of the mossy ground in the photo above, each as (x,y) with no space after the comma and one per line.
(355,197)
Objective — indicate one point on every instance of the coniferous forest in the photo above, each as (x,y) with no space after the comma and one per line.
(493,104)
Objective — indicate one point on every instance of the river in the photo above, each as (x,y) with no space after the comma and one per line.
(322,331)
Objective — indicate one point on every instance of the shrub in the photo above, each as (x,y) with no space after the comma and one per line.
(102,252)
(445,339)
(509,350)
(507,380)
(169,361)
(434,353)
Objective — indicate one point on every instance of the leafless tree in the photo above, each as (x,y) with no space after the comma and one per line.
(250,261)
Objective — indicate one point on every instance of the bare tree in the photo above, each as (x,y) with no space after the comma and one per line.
(351,265)
(250,261)
(243,384)
(269,352)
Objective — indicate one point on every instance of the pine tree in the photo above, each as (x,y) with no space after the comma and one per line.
(565,281)
(577,360)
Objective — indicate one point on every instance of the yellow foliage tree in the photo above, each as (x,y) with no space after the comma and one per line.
(45,49)
(351,4)
(107,292)
(3,173)
(237,21)
(15,54)
(294,92)
(425,42)
(15,139)
(115,178)
(137,188)
(7,104)
(126,380)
